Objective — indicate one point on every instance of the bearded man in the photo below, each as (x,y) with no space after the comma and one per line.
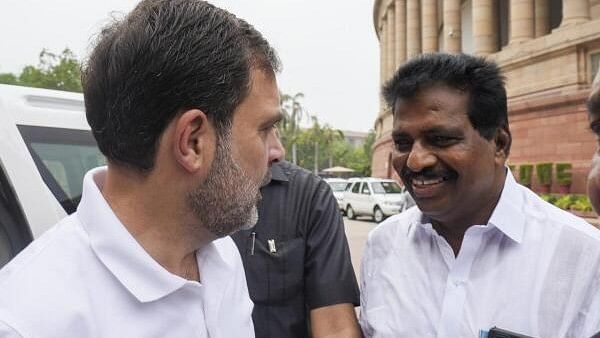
(182,99)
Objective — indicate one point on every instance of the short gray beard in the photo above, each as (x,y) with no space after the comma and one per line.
(227,200)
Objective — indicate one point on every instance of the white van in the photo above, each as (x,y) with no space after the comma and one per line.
(375,197)
(46,147)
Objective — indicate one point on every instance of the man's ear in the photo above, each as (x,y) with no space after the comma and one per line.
(193,140)
(502,141)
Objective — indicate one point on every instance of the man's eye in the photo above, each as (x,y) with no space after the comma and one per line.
(403,145)
(442,141)
(269,128)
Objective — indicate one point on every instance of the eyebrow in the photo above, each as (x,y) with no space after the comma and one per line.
(274,120)
(434,130)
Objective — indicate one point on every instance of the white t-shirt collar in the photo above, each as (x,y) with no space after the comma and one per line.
(118,250)
(506,217)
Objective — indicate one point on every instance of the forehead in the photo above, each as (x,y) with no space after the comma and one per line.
(262,101)
(438,107)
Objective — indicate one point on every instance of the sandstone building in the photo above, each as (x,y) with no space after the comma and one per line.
(549,51)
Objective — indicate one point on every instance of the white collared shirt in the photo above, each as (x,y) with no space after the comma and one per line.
(533,269)
(88,277)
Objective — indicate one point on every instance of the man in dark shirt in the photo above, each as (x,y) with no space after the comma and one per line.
(297,260)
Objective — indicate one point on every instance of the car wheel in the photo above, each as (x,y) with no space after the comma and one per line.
(350,212)
(378,215)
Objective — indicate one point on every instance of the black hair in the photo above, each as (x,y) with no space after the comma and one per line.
(480,78)
(163,58)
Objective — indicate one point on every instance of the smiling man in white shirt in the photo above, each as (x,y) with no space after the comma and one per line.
(182,99)
(479,250)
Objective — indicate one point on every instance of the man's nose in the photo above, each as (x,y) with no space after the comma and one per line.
(420,158)
(275,148)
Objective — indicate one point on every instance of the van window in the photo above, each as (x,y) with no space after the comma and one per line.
(365,189)
(386,188)
(356,187)
(337,186)
(63,156)
(14,230)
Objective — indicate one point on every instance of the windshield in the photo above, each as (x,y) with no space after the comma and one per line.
(386,188)
(63,156)
(338,186)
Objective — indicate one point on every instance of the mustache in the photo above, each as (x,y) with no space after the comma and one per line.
(408,175)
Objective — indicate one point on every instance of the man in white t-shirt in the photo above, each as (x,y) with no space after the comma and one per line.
(479,251)
(182,99)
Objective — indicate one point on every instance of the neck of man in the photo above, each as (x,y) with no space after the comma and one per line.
(153,214)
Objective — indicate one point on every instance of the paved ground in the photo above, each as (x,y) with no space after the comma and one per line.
(356,232)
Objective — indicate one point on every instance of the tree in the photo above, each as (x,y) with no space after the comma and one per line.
(9,78)
(320,146)
(329,136)
(54,71)
(293,115)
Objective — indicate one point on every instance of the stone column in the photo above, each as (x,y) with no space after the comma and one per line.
(388,43)
(429,30)
(575,11)
(413,28)
(383,65)
(521,20)
(452,26)
(382,54)
(542,18)
(485,27)
(391,23)
(400,8)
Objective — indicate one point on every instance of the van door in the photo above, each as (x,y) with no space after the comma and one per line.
(353,197)
(366,199)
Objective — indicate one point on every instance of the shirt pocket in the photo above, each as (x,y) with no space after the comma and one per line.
(275,277)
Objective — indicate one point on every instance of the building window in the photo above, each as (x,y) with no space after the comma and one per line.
(503,23)
(555,13)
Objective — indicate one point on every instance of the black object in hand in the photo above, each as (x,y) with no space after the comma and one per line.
(501,333)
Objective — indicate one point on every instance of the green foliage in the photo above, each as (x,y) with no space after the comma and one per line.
(566,201)
(550,198)
(525,171)
(569,201)
(9,78)
(544,173)
(54,71)
(563,173)
(582,204)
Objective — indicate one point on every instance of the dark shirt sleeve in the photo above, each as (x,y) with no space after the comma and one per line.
(329,275)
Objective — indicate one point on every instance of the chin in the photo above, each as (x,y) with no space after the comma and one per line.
(252,219)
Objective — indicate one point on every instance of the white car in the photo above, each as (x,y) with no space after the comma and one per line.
(375,197)
(338,185)
(46,147)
